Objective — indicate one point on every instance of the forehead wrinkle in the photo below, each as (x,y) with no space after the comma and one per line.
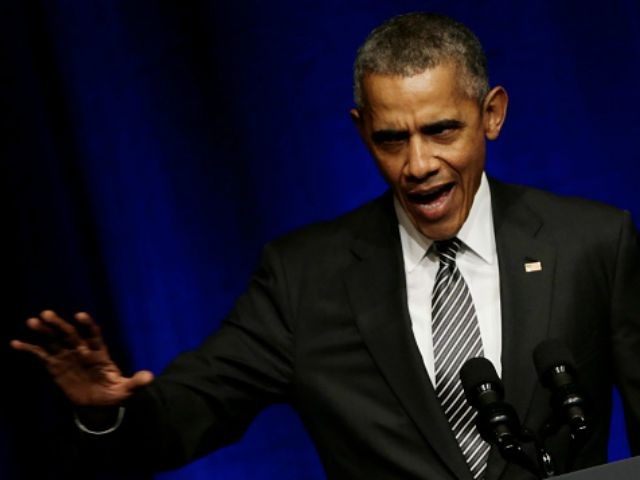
(393,119)
(397,117)
(409,103)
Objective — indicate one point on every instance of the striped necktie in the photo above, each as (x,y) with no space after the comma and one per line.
(456,338)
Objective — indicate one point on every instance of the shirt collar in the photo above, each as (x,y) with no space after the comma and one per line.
(476,233)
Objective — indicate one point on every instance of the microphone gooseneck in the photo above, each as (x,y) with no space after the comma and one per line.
(557,372)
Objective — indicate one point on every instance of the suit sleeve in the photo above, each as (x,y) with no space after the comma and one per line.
(626,328)
(206,398)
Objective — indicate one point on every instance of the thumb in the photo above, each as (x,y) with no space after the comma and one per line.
(140,379)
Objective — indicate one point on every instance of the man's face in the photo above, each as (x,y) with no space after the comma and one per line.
(428,139)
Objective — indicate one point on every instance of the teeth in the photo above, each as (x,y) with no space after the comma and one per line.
(434,191)
(437,191)
(431,194)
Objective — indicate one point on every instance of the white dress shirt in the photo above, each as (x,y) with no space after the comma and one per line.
(477,261)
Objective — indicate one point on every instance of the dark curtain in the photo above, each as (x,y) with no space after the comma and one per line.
(150,148)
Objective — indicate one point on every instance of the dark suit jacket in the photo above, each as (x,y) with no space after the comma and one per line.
(324,325)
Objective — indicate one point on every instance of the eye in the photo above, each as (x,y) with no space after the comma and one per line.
(444,129)
(445,133)
(389,138)
(442,132)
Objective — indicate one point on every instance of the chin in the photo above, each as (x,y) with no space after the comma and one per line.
(437,232)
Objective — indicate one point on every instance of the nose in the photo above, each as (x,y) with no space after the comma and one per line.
(421,162)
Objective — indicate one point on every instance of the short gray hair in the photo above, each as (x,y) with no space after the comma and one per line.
(409,44)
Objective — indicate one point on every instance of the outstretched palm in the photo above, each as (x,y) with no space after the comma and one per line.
(80,362)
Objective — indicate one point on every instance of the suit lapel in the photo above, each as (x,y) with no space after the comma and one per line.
(525,296)
(377,292)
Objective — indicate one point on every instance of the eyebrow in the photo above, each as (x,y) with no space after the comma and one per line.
(390,135)
(441,125)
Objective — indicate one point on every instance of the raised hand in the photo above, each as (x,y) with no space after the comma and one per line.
(79,362)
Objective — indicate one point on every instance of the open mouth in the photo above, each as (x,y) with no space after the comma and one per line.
(431,197)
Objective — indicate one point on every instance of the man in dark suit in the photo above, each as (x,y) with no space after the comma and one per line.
(342,319)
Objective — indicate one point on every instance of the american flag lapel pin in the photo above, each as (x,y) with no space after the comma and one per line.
(533,266)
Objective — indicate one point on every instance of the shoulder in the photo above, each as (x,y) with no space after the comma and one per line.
(549,206)
(566,216)
(331,239)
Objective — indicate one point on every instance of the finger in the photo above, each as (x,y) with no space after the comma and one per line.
(67,333)
(139,379)
(38,325)
(44,336)
(92,333)
(36,350)
(84,324)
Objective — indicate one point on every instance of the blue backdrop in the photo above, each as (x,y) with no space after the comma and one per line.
(153,147)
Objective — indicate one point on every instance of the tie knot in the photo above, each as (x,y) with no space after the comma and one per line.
(447,250)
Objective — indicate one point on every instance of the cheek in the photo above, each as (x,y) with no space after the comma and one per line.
(390,168)
(468,162)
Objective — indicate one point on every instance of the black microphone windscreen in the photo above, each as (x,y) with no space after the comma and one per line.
(477,371)
(551,353)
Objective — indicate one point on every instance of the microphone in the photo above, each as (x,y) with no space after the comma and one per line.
(557,372)
(497,421)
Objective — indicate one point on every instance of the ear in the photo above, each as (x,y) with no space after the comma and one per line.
(358,121)
(494,109)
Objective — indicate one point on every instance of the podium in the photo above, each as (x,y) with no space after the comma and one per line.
(623,470)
